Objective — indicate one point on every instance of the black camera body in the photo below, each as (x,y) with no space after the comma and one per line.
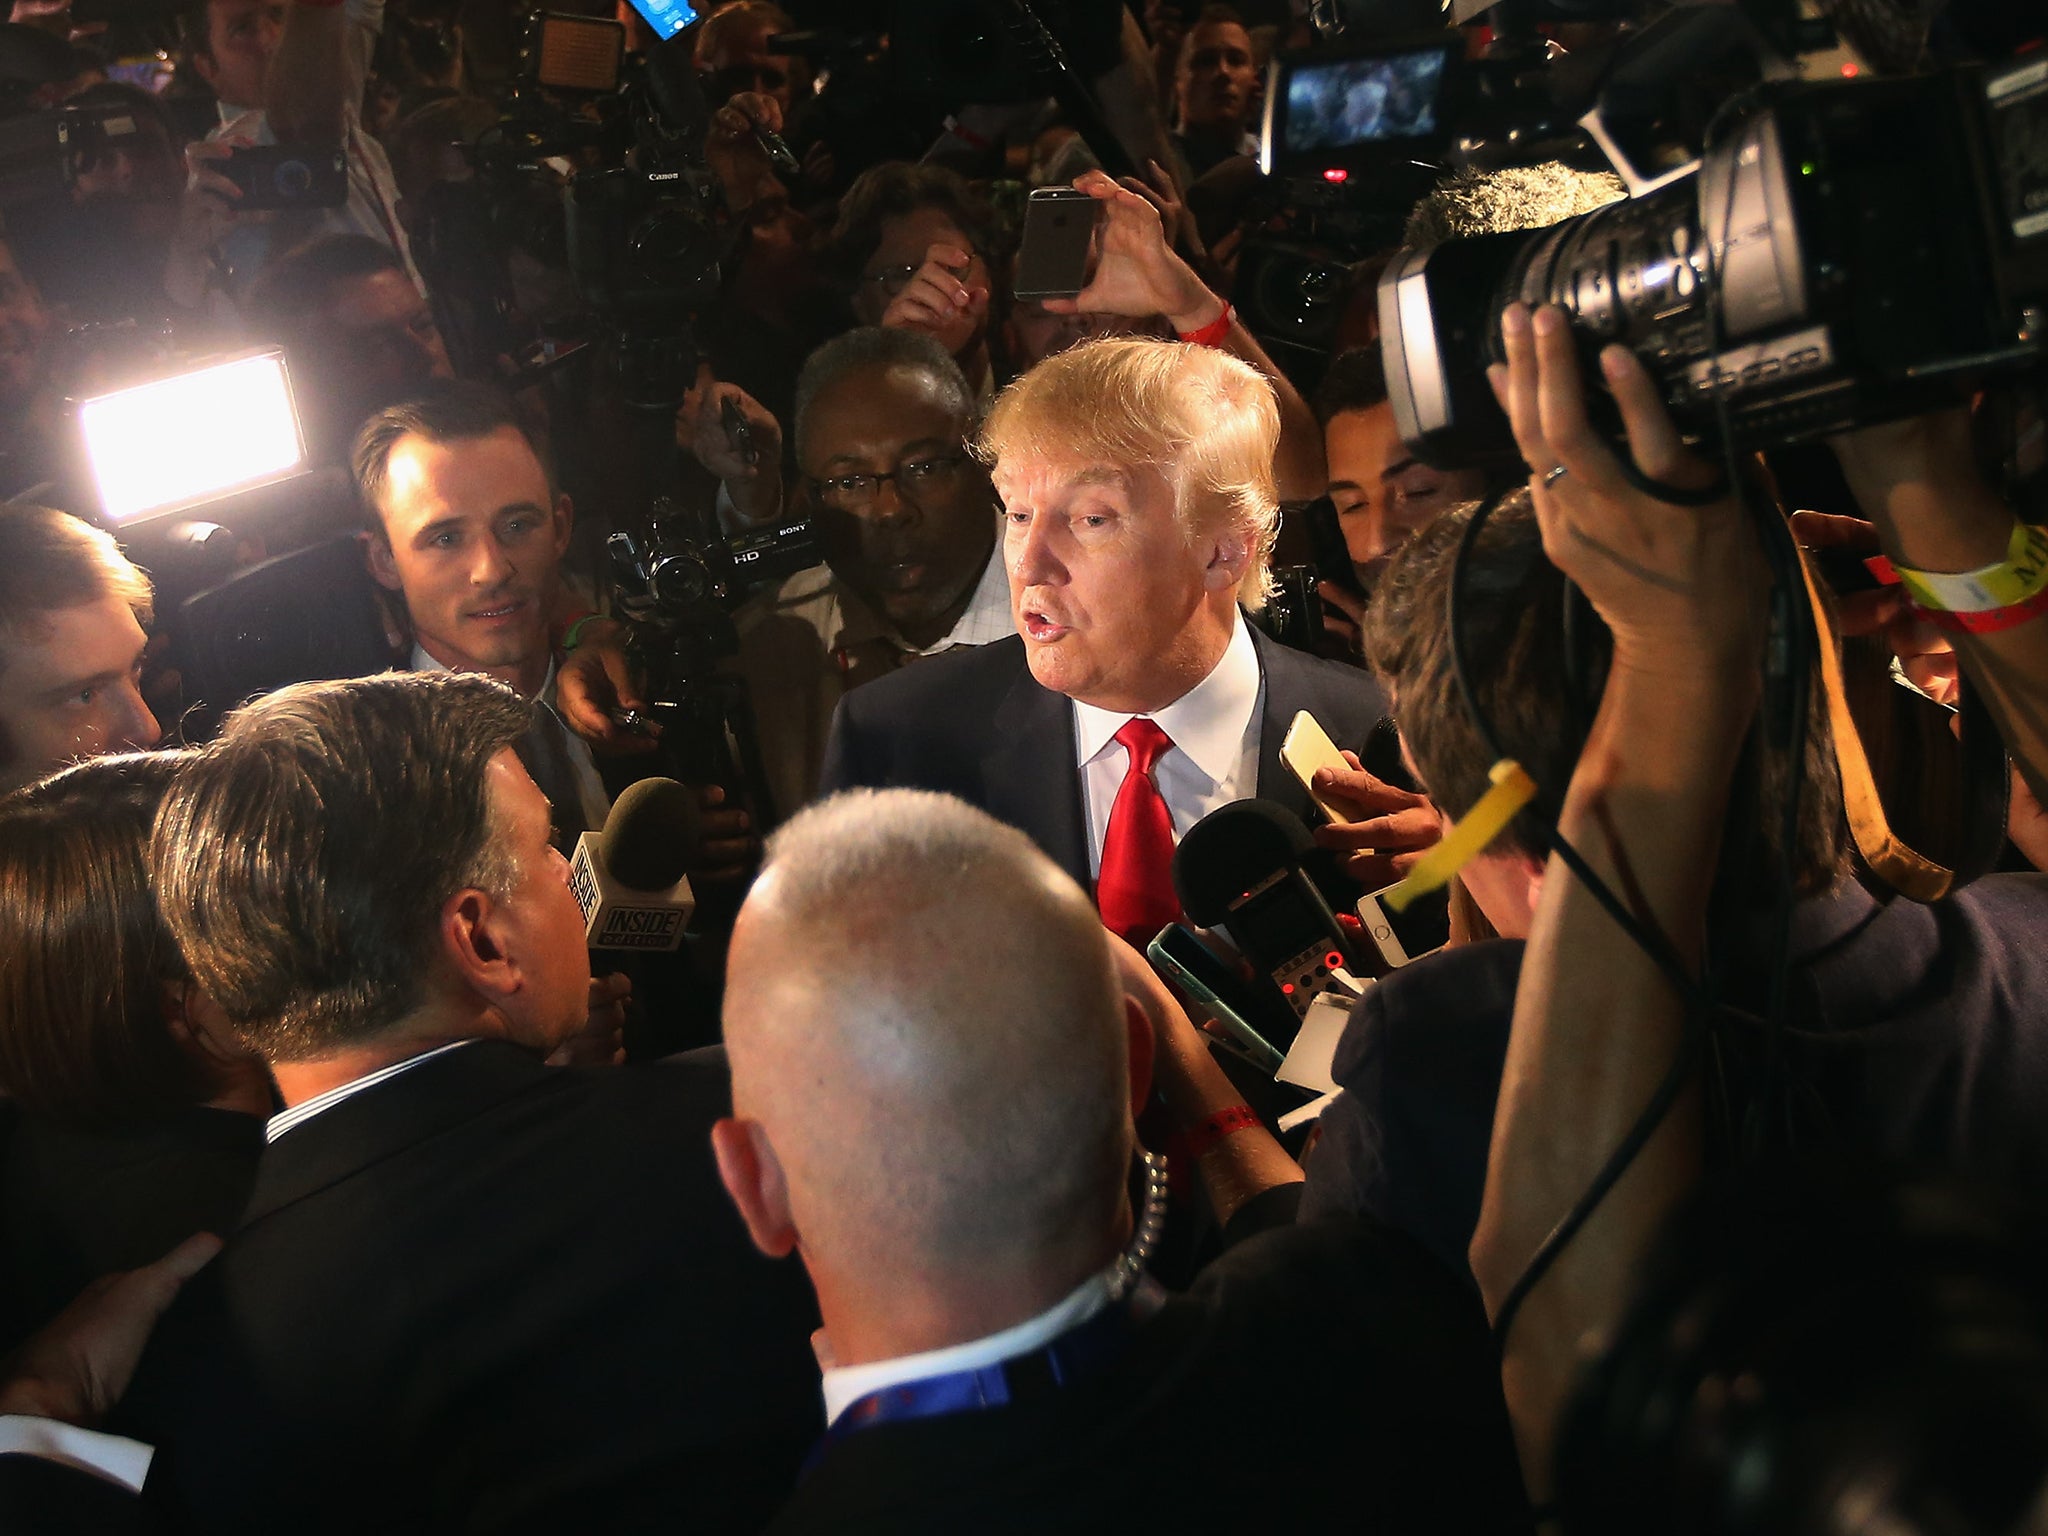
(684,576)
(288,176)
(1848,252)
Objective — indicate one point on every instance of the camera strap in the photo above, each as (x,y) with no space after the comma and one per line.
(1985,780)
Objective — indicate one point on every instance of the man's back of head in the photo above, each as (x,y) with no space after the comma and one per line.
(925,1025)
(304,860)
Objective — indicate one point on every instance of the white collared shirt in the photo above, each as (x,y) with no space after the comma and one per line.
(595,805)
(111,1458)
(285,1119)
(1214,728)
(846,1385)
(987,617)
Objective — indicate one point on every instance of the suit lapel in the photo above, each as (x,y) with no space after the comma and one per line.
(1033,782)
(1279,698)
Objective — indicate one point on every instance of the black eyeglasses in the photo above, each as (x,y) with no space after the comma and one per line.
(857,493)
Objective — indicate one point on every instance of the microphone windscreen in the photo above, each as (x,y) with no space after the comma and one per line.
(1232,849)
(651,835)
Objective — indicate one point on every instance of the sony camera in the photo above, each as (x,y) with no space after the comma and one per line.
(1843,252)
(684,575)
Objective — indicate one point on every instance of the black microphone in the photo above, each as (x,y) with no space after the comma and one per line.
(1240,868)
(629,879)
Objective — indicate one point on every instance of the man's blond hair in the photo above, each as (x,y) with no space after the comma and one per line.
(1207,422)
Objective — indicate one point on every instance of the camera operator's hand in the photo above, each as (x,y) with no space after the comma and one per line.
(594,680)
(756,487)
(1388,830)
(729,850)
(937,301)
(1678,586)
(78,1366)
(1137,275)
(735,156)
(601,1042)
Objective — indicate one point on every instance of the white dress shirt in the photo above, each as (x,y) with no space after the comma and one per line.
(846,1385)
(300,1113)
(112,1458)
(1214,728)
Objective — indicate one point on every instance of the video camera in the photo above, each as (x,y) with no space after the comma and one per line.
(1837,253)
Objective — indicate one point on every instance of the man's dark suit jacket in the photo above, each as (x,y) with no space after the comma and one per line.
(487,1295)
(1320,1377)
(1917,1040)
(47,1498)
(976,724)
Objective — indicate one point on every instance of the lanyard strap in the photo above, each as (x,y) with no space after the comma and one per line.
(1083,1351)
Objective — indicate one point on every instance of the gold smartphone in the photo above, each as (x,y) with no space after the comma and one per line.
(1306,748)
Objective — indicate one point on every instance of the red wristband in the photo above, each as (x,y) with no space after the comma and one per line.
(1224,1123)
(1988,621)
(1212,334)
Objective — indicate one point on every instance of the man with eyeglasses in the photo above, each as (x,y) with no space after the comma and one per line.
(908,525)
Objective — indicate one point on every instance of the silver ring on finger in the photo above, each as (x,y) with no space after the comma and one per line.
(1552,475)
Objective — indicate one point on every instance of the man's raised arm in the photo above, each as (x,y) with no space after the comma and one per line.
(1597,1025)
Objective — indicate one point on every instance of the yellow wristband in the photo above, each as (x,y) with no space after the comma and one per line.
(2022,574)
(1512,789)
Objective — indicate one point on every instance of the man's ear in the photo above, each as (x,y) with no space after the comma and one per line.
(377,557)
(204,63)
(565,524)
(1230,556)
(1532,870)
(1138,1031)
(752,1176)
(473,947)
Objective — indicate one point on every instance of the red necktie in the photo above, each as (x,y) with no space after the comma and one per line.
(1135,889)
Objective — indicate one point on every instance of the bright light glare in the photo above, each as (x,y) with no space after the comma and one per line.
(186,439)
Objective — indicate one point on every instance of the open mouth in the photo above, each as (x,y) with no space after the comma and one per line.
(1038,626)
(499,613)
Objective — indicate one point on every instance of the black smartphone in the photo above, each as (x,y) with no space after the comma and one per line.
(1179,954)
(1058,240)
(287,176)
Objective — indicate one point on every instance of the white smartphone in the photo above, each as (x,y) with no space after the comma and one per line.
(1306,748)
(1402,936)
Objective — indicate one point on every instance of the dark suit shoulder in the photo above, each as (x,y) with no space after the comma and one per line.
(925,726)
(1348,701)
(47,1498)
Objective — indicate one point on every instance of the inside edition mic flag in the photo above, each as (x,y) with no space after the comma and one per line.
(629,879)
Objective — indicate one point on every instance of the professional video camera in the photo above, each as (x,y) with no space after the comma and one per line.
(677,588)
(1837,253)
(596,167)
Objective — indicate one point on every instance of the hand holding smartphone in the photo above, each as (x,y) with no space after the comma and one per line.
(1056,248)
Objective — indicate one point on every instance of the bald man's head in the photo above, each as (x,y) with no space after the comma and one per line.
(924,1019)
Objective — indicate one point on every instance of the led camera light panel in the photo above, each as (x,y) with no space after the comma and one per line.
(186,439)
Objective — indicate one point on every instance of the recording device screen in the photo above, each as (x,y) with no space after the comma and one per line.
(666,17)
(1347,102)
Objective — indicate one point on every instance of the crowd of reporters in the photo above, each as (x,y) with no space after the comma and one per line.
(1691,1185)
